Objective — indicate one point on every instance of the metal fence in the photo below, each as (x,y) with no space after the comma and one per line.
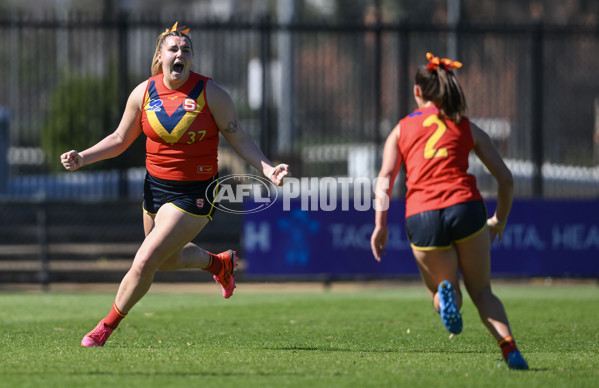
(320,97)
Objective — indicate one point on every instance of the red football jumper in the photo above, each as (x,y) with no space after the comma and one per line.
(182,137)
(435,153)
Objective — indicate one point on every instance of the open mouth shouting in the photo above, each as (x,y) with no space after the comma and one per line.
(178,68)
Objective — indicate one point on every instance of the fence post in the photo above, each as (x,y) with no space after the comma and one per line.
(286,84)
(404,96)
(42,240)
(596,132)
(4,145)
(404,76)
(123,92)
(377,157)
(266,109)
(537,141)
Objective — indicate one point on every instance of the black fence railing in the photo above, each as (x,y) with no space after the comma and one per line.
(322,98)
(304,90)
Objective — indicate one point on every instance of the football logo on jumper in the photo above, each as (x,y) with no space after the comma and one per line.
(189,105)
(155,105)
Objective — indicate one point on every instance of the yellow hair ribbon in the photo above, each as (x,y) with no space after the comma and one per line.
(183,30)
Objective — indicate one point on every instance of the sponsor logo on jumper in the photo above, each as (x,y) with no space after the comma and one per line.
(155,105)
(204,169)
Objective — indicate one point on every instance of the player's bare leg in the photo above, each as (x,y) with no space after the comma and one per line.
(438,265)
(167,233)
(475,264)
(439,271)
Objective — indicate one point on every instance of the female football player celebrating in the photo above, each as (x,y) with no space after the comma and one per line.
(182,114)
(446,218)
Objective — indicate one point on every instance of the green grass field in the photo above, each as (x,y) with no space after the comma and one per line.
(371,337)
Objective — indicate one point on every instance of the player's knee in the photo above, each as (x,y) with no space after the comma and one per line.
(147,262)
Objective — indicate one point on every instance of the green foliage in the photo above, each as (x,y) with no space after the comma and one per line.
(387,337)
(82,112)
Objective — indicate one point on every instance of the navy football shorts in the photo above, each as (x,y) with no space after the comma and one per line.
(190,197)
(439,229)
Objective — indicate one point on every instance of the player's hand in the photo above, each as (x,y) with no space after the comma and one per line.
(279,172)
(496,228)
(378,241)
(71,160)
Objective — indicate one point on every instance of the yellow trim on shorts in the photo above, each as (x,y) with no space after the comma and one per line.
(178,208)
(209,216)
(194,215)
(147,212)
(429,248)
(473,234)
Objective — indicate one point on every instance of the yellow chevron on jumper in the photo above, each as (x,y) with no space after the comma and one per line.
(178,128)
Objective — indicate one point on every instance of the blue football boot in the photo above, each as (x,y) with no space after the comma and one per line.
(450,314)
(515,360)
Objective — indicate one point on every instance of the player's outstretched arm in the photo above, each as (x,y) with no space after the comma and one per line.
(117,142)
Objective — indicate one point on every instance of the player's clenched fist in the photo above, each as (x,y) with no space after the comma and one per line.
(71,160)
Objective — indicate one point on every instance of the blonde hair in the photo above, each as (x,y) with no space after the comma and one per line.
(156,65)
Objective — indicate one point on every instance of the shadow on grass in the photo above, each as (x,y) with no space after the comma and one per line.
(338,349)
(148,374)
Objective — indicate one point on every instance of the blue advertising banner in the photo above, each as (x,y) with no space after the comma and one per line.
(543,238)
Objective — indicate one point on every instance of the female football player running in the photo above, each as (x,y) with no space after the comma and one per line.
(446,218)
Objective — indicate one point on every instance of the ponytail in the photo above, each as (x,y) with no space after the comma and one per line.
(440,85)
